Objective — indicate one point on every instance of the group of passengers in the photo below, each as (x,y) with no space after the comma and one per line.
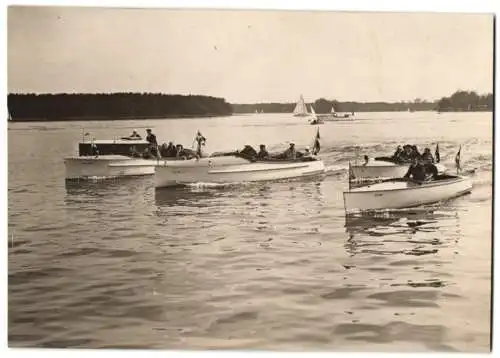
(153,150)
(178,151)
(408,153)
(290,153)
(422,165)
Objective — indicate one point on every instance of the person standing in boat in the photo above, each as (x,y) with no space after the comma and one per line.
(263,154)
(290,153)
(153,144)
(200,140)
(416,171)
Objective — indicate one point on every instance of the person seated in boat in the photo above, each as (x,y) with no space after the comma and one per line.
(263,153)
(366,160)
(416,171)
(182,153)
(168,151)
(147,154)
(431,171)
(134,153)
(427,156)
(93,149)
(290,153)
(248,153)
(307,153)
(414,152)
(397,153)
(405,155)
(133,136)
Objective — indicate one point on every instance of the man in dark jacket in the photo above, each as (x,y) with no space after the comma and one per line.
(153,144)
(416,170)
(263,154)
(427,156)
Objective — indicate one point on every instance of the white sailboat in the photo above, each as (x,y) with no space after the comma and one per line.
(315,119)
(301,108)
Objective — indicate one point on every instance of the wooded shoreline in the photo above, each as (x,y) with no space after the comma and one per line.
(129,106)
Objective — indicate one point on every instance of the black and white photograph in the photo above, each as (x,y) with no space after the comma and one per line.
(249,179)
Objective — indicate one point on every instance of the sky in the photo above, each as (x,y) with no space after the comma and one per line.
(249,56)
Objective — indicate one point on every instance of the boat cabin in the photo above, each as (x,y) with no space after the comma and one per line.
(109,147)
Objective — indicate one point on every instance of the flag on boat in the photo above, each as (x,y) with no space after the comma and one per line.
(436,154)
(316,146)
(457,159)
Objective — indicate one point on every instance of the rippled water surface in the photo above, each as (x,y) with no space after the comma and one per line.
(268,266)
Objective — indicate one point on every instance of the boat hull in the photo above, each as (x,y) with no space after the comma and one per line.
(232,170)
(107,166)
(383,170)
(398,194)
(335,118)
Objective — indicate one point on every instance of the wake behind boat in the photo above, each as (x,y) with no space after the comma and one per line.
(405,193)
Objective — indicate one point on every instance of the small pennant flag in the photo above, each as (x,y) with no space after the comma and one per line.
(438,157)
(457,159)
(317,146)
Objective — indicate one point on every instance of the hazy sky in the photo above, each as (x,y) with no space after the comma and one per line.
(249,56)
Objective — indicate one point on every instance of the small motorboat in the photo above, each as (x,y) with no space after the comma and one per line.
(233,169)
(405,193)
(109,159)
(381,168)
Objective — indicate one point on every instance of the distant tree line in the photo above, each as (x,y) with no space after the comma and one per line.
(323,105)
(112,106)
(459,101)
(465,101)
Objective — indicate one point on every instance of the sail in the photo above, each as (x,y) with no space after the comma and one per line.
(332,110)
(312,111)
(300,108)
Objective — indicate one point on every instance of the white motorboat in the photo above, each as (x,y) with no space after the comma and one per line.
(233,169)
(333,116)
(405,193)
(381,169)
(109,159)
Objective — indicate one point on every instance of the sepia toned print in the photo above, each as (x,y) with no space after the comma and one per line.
(243,179)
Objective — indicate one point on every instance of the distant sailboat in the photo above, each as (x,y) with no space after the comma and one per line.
(300,109)
(315,119)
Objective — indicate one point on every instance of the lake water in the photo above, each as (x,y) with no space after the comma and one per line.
(264,266)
